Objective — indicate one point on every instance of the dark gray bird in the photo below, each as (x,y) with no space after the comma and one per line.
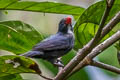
(56,45)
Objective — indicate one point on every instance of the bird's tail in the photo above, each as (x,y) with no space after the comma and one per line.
(32,54)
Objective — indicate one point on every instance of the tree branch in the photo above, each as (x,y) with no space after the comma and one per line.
(97,50)
(105,30)
(101,47)
(110,25)
(85,50)
(105,66)
(102,23)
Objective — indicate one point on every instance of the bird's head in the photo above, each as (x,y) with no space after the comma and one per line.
(65,25)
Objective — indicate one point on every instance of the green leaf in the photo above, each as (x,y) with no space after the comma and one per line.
(18,37)
(5,3)
(87,24)
(11,77)
(93,14)
(17,64)
(84,34)
(46,7)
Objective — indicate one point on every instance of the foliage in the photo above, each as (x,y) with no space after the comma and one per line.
(90,19)
(19,37)
(46,7)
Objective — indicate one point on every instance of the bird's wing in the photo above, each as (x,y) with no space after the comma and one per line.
(53,43)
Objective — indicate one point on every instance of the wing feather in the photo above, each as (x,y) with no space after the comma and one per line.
(53,43)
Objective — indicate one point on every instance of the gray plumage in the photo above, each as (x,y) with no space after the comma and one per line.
(54,46)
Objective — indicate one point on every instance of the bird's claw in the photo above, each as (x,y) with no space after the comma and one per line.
(59,63)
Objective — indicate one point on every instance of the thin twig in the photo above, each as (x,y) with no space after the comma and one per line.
(105,66)
(83,52)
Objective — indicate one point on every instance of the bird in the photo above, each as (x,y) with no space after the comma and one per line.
(55,46)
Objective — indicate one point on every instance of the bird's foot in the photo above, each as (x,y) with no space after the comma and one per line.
(56,62)
(59,63)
